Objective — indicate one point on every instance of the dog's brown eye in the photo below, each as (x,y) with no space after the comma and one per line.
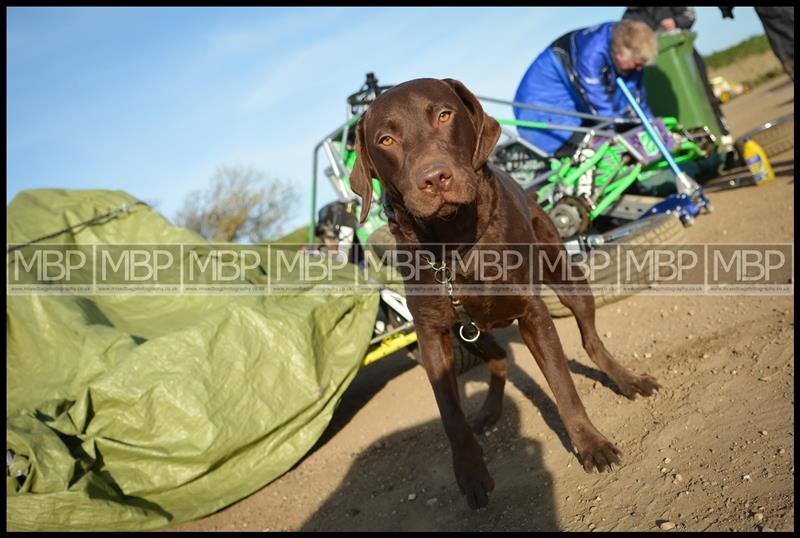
(444,116)
(386,141)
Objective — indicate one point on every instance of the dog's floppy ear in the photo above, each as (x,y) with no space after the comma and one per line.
(486,127)
(361,176)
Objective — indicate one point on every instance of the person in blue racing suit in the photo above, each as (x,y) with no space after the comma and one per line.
(578,72)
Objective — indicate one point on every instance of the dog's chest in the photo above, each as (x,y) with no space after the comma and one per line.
(495,294)
(494,312)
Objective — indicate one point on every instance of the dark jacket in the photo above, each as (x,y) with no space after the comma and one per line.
(652,16)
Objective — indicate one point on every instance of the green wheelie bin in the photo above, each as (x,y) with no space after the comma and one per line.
(674,86)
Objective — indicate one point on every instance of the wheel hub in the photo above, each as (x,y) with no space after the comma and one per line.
(570,215)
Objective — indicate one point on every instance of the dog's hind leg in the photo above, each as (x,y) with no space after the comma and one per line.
(575,294)
(495,358)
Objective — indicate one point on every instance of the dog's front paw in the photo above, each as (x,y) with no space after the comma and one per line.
(472,476)
(596,452)
(633,384)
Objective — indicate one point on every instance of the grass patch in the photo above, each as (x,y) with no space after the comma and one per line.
(753,45)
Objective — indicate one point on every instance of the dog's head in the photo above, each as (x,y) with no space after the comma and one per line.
(424,140)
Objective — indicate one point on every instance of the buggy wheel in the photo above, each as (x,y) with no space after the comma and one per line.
(774,137)
(661,229)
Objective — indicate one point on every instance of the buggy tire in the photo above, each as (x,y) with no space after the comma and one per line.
(663,229)
(465,357)
(774,137)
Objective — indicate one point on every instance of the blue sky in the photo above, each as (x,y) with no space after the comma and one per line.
(153,100)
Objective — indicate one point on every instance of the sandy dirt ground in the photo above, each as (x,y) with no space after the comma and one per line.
(713,450)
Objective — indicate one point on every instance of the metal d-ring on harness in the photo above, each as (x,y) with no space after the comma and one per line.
(468,331)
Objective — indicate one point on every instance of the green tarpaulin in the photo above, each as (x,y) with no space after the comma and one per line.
(136,410)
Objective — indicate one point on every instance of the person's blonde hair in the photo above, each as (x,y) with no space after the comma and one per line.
(634,39)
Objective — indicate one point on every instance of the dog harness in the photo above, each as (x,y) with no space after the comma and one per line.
(468,331)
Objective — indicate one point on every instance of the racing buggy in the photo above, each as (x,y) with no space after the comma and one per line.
(601,199)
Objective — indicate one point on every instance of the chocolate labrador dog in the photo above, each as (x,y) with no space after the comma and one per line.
(427,141)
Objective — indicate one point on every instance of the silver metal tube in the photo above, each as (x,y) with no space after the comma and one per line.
(312,222)
(337,166)
(557,111)
(575,128)
(405,326)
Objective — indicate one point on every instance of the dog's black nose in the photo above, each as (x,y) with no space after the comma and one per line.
(435,178)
